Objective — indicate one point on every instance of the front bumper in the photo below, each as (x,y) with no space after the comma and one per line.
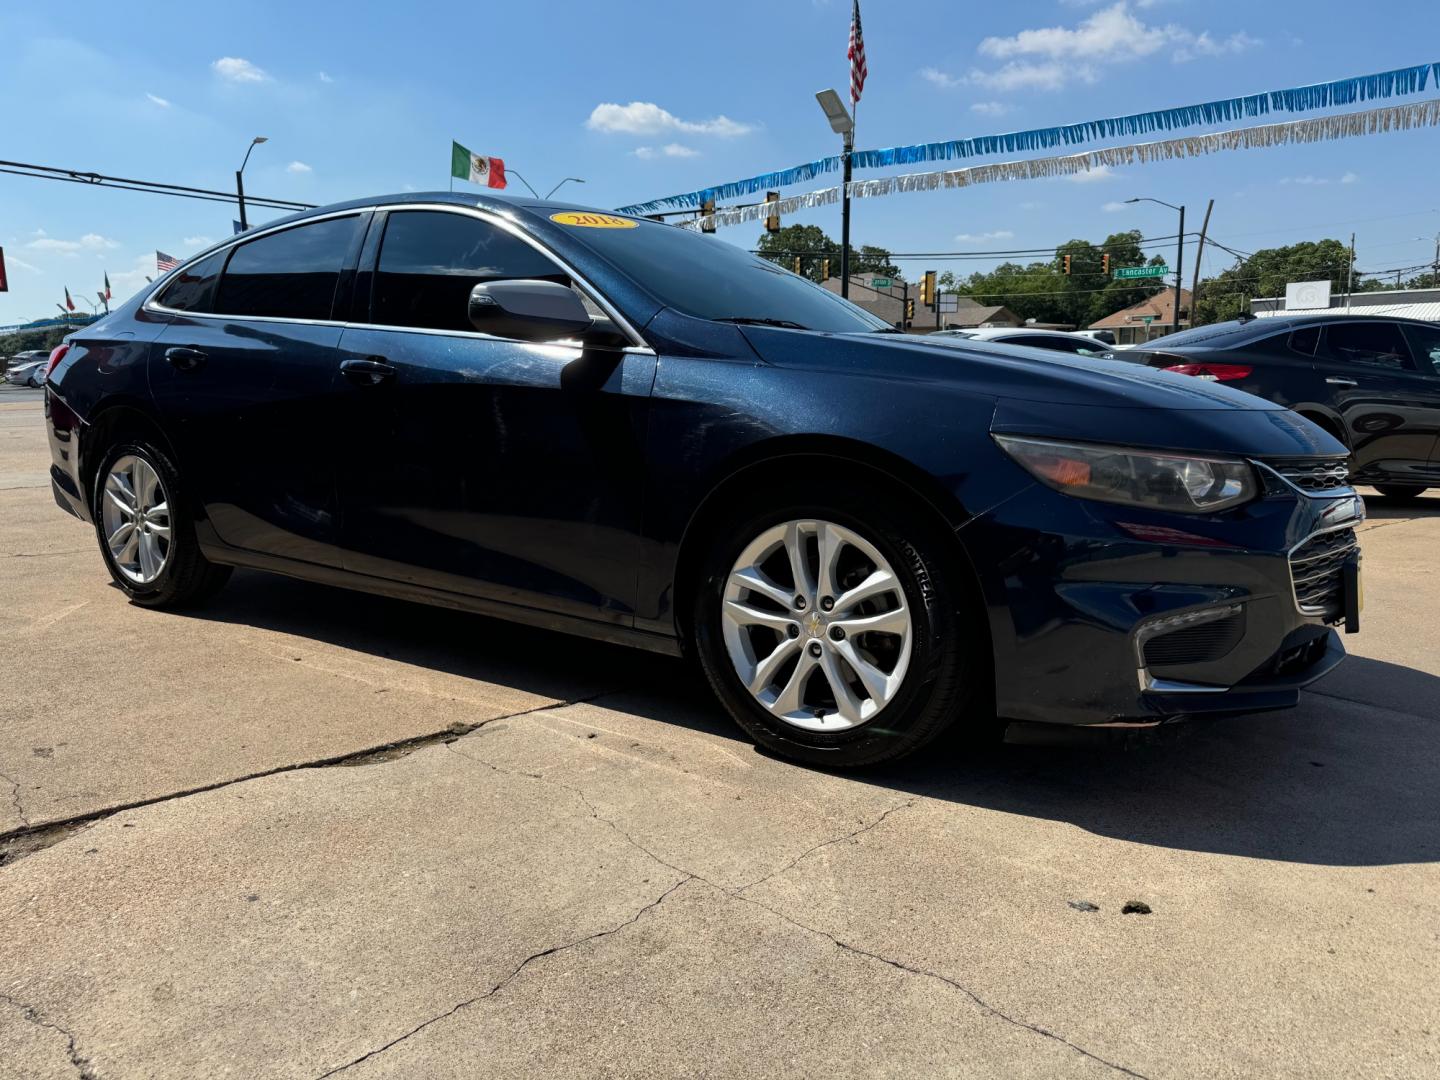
(1105,614)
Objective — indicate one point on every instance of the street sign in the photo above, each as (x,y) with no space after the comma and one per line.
(881,283)
(1141,271)
(1147,319)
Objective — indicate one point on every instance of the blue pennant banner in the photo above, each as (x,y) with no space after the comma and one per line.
(1408,80)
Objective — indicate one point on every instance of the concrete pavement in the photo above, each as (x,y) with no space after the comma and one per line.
(572,864)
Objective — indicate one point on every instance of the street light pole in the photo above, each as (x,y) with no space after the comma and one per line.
(240,178)
(843,124)
(1179,255)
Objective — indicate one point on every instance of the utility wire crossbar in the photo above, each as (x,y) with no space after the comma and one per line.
(153,187)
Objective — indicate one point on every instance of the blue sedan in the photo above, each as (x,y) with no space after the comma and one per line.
(613,427)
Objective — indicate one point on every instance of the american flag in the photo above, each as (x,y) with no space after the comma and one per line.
(858,71)
(165,263)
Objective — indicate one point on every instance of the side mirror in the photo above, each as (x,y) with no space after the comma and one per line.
(528,309)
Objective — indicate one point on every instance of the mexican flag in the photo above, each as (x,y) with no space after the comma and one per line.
(68,302)
(464,165)
(107,286)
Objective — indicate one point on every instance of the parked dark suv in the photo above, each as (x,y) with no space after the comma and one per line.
(1373,383)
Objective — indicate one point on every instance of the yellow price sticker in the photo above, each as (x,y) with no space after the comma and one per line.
(583,220)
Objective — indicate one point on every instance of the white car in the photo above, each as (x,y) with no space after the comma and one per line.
(29,373)
(1055,340)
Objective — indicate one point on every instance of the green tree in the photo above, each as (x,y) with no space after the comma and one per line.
(810,244)
(1266,273)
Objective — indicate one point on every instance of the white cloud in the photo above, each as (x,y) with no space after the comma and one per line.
(1309,180)
(12,260)
(157,100)
(674,150)
(1094,176)
(647,118)
(1113,207)
(89,242)
(298,167)
(1050,57)
(238,70)
(197,242)
(936,77)
(325,78)
(1203,44)
(980,238)
(991,108)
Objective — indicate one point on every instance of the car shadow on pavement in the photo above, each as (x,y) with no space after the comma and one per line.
(1379,506)
(1349,778)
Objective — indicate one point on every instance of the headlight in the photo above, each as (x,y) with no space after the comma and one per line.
(1185,485)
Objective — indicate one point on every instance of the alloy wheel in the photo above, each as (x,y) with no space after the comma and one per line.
(816,624)
(135,512)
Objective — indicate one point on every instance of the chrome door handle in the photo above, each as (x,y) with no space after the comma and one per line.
(367,371)
(184,359)
(1336,380)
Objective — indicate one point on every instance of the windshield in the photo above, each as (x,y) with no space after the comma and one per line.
(702,276)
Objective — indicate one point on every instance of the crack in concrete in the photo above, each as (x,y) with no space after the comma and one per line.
(43,554)
(15,798)
(499,986)
(738,894)
(1367,704)
(81,1063)
(396,748)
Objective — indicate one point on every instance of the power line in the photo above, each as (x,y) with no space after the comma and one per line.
(153,187)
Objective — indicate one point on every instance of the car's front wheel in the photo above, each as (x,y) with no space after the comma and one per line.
(146,536)
(831,632)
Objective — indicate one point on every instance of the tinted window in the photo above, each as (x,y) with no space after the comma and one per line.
(191,289)
(1305,341)
(709,278)
(290,274)
(1425,343)
(430,260)
(1378,344)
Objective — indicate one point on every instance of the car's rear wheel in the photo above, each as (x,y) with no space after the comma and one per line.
(1401,492)
(146,535)
(831,632)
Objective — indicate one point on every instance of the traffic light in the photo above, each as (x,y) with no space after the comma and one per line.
(927,289)
(1065,264)
(824,269)
(1105,263)
(909,312)
(707,208)
(772,223)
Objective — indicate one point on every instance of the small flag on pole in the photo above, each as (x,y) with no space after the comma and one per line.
(68,302)
(165,263)
(464,165)
(858,70)
(106,297)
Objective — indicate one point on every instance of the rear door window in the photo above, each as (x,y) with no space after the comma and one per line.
(430,260)
(1373,344)
(194,286)
(1425,344)
(290,274)
(1305,340)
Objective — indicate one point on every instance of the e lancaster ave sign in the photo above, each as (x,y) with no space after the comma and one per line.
(1141,271)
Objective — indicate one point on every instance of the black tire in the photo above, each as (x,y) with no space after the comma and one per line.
(1401,492)
(188,578)
(949,673)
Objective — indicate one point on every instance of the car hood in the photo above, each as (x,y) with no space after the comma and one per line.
(1008,371)
(1044,393)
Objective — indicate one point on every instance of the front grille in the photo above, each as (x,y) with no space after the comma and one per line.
(1312,475)
(1201,643)
(1317,568)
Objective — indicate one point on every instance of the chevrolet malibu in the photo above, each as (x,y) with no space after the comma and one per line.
(612,427)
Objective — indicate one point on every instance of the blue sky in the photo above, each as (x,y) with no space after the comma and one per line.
(364,99)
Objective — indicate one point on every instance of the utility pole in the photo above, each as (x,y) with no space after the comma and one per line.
(1199,251)
(1350,273)
(1179,271)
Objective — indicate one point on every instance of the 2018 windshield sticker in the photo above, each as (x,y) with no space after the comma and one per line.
(592,221)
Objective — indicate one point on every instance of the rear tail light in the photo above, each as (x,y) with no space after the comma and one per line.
(56,356)
(1213,372)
